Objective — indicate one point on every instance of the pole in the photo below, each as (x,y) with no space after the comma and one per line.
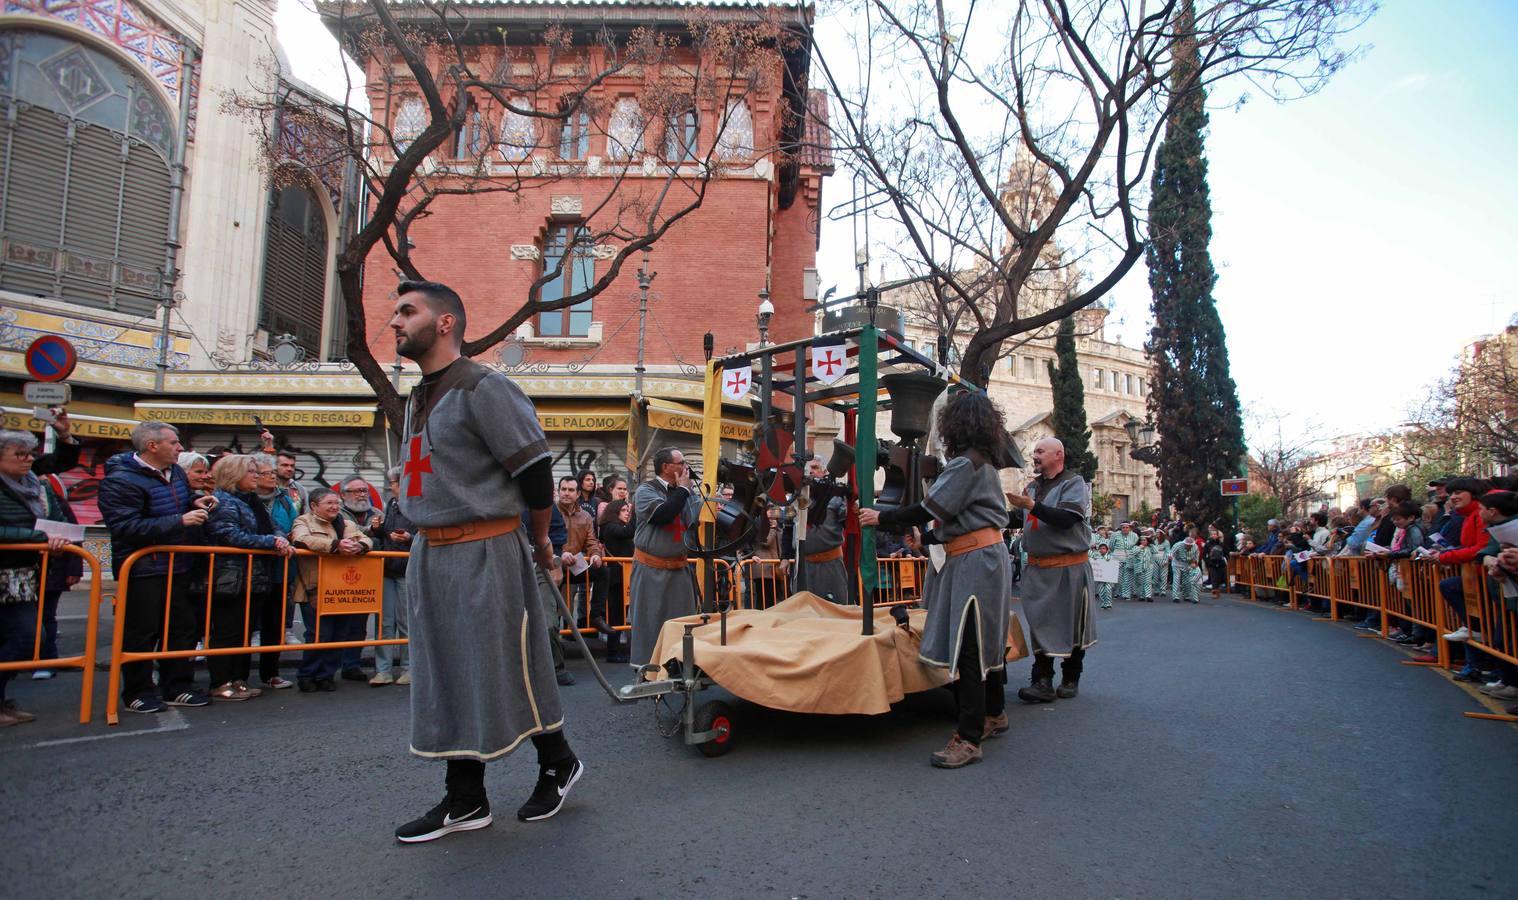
(176,207)
(644,280)
(864,467)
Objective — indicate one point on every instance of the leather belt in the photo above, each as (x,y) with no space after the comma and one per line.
(1059,560)
(826,555)
(470,531)
(974,540)
(671,563)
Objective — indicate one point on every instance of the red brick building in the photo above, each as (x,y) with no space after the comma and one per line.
(756,227)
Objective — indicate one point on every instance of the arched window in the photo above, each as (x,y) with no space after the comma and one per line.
(519,134)
(410,120)
(469,139)
(680,137)
(737,139)
(85,144)
(624,134)
(294,297)
(574,134)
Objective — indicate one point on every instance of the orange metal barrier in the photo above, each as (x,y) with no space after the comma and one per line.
(584,586)
(1490,616)
(85,662)
(900,580)
(763,582)
(119,656)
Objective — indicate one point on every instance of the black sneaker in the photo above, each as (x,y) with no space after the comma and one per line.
(188,698)
(553,786)
(147,703)
(445,818)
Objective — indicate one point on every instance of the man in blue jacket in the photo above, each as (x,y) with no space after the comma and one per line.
(145,500)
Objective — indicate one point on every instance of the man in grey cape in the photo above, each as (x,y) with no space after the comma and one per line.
(661,587)
(819,565)
(473,460)
(1057,587)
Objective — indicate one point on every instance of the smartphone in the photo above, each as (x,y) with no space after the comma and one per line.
(258,423)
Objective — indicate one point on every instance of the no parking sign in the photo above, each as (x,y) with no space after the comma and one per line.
(51,358)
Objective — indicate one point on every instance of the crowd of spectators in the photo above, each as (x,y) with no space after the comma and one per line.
(1450,527)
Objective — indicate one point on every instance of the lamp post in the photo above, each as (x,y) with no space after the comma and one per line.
(766,310)
(645,278)
(1141,433)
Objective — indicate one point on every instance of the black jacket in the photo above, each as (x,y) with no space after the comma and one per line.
(395,520)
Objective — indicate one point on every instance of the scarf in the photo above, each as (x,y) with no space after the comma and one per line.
(29,488)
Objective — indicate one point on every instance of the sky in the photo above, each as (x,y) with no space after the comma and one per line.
(1362,236)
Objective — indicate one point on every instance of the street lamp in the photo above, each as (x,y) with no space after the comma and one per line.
(1142,434)
(766,310)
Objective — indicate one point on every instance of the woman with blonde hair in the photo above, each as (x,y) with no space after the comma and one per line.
(324,529)
(238,520)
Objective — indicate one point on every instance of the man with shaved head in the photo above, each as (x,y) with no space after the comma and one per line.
(1057,587)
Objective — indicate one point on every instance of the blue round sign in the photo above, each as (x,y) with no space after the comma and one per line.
(51,358)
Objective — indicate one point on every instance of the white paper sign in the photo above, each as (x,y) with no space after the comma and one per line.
(66,530)
(1104,570)
(1506,533)
(578,564)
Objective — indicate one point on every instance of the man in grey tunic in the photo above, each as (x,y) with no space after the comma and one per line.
(662,587)
(819,566)
(473,461)
(967,598)
(1057,587)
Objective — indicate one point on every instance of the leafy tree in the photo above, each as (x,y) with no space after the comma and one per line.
(1255,511)
(1069,419)
(1194,402)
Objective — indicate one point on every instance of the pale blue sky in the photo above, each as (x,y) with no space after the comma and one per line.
(1362,236)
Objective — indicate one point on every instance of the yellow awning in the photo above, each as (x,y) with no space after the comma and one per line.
(672,416)
(288,415)
(98,420)
(569,415)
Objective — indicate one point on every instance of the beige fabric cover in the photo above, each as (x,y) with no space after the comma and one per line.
(807,655)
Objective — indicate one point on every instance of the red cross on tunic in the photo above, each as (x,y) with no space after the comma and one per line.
(676,528)
(416,464)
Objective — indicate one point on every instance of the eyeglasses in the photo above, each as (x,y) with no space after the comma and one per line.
(356,493)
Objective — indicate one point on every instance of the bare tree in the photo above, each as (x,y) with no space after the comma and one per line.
(485,114)
(1285,461)
(1476,405)
(1021,134)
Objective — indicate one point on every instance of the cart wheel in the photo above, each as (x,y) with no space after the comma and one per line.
(709,717)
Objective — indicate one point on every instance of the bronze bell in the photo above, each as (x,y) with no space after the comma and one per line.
(784,419)
(912,397)
(841,461)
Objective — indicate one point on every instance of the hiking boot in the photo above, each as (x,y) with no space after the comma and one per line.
(995,726)
(445,818)
(1068,688)
(957,754)
(548,795)
(1040,691)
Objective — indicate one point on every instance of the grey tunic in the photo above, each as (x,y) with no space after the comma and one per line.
(659,595)
(965,498)
(1057,601)
(828,579)
(482,678)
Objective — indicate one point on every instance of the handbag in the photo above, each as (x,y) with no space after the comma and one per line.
(18,585)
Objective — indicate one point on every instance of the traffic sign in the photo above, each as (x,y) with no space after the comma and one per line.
(51,358)
(1233,487)
(44,393)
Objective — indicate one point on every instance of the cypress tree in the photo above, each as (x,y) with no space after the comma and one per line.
(1194,402)
(1069,419)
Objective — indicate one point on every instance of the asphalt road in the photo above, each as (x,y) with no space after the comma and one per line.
(1227,749)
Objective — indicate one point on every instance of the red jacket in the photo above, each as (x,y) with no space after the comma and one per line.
(1473,537)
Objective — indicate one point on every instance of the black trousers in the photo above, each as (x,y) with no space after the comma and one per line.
(231,616)
(465,779)
(978,697)
(1070,667)
(142,632)
(269,615)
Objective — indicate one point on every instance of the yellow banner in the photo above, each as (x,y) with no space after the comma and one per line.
(272,416)
(678,417)
(96,420)
(582,421)
(350,584)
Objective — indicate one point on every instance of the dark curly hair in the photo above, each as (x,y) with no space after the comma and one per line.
(970,421)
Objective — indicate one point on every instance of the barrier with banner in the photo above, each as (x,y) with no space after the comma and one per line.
(85,661)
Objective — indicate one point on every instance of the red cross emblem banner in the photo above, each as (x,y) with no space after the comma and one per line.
(830,362)
(736,382)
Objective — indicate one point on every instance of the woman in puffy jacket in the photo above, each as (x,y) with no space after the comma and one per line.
(239,520)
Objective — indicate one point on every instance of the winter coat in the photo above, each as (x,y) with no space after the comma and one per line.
(18,524)
(395,520)
(1473,538)
(235,523)
(311,533)
(143,510)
